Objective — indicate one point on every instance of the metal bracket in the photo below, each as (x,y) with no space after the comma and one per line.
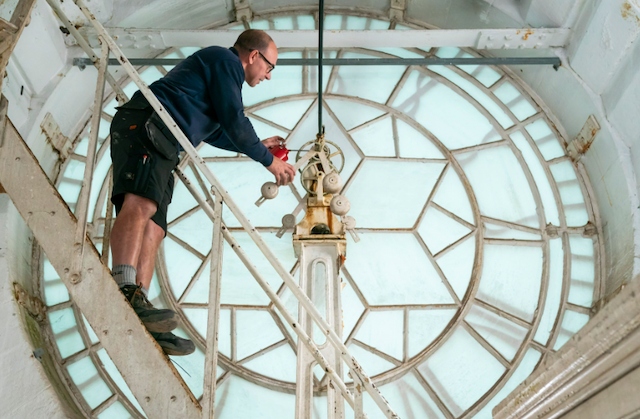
(243,11)
(397,9)
(34,306)
(579,145)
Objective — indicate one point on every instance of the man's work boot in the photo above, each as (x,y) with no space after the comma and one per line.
(155,320)
(174,345)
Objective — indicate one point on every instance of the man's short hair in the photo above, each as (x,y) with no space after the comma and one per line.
(252,39)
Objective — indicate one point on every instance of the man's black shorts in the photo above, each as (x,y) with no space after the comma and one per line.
(139,167)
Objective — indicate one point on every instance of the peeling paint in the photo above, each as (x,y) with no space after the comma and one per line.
(528,33)
(629,12)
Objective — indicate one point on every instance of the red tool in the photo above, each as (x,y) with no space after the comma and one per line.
(280,152)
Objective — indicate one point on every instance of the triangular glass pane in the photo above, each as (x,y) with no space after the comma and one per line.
(452,196)
(196,230)
(414,144)
(199,292)
(198,317)
(393,269)
(496,231)
(502,334)
(376,140)
(352,113)
(279,363)
(438,230)
(383,330)
(406,186)
(371,363)
(182,268)
(425,326)
(182,200)
(457,265)
(286,114)
(255,330)
(408,398)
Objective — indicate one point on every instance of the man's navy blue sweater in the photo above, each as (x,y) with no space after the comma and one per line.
(203,94)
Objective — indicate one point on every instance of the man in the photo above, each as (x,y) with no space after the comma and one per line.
(203,95)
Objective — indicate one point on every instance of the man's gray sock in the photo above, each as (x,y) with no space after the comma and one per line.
(124,275)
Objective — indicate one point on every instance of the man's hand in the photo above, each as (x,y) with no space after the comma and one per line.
(283,172)
(273,141)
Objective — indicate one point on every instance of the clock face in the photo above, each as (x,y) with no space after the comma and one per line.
(478,252)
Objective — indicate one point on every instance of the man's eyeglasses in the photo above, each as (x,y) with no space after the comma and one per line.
(271,66)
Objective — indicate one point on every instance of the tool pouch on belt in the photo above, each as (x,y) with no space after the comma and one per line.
(161,138)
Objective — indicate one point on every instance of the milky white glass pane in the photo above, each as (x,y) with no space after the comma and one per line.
(305,22)
(255,330)
(500,185)
(181,266)
(524,370)
(511,96)
(115,411)
(554,291)
(457,265)
(232,401)
(198,317)
(407,397)
(279,363)
(196,230)
(317,275)
(484,74)
(399,52)
(283,22)
(205,150)
(383,330)
(191,367)
(372,364)
(150,75)
(511,277)
(502,334)
(238,284)
(352,307)
(182,200)
(376,139)
(438,230)
(115,375)
(69,191)
(65,332)
(291,304)
(461,371)
(286,114)
(103,130)
(263,24)
(496,231)
(352,113)
(93,338)
(570,193)
(285,80)
(99,174)
(110,108)
(452,196)
(199,292)
(412,143)
(451,52)
(348,80)
(130,89)
(243,181)
(392,268)
(425,326)
(545,139)
(264,130)
(334,133)
(407,186)
(85,376)
(55,291)
(539,177)
(440,110)
(82,146)
(480,96)
(74,170)
(582,271)
(572,322)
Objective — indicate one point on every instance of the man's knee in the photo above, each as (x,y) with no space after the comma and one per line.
(138,206)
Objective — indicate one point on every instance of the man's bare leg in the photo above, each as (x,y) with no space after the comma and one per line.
(129,228)
(153,235)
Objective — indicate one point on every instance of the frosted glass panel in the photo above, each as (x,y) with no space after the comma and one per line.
(115,411)
(351,113)
(115,375)
(85,376)
(496,231)
(511,278)
(55,291)
(438,230)
(511,96)
(457,265)
(255,330)
(286,114)
(425,326)
(452,196)
(572,322)
(571,194)
(65,332)
(371,363)
(540,178)
(412,143)
(383,330)
(461,371)
(502,334)
(545,139)
(440,110)
(376,139)
(393,269)
(232,403)
(279,363)
(582,271)
(501,188)
(554,291)
(407,186)
(407,397)
(285,80)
